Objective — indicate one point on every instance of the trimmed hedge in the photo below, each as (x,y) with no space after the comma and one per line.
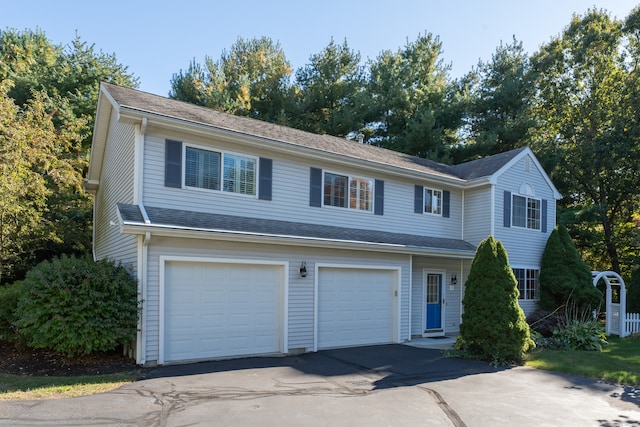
(9,297)
(493,325)
(78,306)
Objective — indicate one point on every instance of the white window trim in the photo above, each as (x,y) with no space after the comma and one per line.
(221,176)
(527,208)
(516,267)
(372,183)
(424,197)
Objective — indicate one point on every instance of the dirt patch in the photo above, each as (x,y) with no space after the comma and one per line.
(21,360)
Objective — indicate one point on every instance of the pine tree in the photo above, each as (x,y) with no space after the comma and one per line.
(564,277)
(493,323)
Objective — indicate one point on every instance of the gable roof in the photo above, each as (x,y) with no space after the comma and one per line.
(132,102)
(172,221)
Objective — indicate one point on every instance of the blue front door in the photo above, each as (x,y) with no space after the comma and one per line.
(434,301)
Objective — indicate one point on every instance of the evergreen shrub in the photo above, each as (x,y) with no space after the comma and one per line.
(78,306)
(9,296)
(493,324)
(564,276)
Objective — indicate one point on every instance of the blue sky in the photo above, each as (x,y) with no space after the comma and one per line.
(157,39)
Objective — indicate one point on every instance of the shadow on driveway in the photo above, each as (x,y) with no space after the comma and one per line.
(389,366)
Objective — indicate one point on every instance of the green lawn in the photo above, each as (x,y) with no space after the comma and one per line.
(618,362)
(22,387)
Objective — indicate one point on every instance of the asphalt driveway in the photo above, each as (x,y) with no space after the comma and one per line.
(392,385)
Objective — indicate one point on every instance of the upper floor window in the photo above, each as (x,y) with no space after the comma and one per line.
(220,171)
(526,212)
(528,283)
(433,201)
(350,192)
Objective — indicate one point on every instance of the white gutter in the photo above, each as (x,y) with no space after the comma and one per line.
(215,234)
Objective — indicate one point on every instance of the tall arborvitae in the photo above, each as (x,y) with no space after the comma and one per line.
(564,277)
(493,323)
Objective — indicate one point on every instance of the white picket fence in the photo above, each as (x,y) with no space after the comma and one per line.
(631,324)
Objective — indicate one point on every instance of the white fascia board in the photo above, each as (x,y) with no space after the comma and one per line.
(238,236)
(129,114)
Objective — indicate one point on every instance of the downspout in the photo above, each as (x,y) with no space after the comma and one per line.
(142,330)
(493,210)
(143,243)
(410,292)
(462,228)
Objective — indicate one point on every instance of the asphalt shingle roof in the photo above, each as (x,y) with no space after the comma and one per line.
(162,217)
(145,102)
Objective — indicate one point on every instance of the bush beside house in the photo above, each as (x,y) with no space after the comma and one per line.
(76,306)
(493,324)
(564,277)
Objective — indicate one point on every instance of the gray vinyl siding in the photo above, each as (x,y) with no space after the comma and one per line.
(301,290)
(116,186)
(524,246)
(452,298)
(477,215)
(290,195)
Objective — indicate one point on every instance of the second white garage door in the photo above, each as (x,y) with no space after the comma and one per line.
(215,309)
(356,306)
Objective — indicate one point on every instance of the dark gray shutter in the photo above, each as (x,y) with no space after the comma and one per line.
(378,207)
(265,178)
(446,197)
(543,216)
(507,209)
(315,187)
(418,199)
(173,163)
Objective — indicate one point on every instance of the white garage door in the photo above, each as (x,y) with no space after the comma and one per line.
(355,306)
(222,309)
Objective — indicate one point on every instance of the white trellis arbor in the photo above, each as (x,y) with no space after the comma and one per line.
(616,312)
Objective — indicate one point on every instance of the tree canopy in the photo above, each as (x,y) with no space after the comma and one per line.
(586,131)
(48,99)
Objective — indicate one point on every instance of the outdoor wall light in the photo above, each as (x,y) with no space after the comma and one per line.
(454,279)
(303,269)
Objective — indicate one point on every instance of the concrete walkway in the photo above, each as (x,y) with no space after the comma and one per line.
(392,385)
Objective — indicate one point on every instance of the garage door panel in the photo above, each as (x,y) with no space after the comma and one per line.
(219,309)
(355,306)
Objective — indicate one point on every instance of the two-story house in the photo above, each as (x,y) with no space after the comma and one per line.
(251,238)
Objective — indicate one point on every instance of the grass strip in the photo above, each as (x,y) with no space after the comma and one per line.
(618,362)
(22,387)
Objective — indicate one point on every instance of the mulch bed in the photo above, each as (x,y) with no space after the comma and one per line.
(21,360)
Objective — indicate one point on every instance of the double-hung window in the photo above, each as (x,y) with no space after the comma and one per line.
(215,170)
(346,191)
(528,283)
(433,201)
(526,212)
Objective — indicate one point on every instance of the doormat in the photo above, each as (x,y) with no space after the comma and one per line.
(437,338)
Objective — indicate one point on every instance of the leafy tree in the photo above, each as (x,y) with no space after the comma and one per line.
(32,165)
(493,324)
(411,101)
(564,276)
(58,88)
(251,79)
(77,306)
(497,117)
(587,128)
(330,92)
